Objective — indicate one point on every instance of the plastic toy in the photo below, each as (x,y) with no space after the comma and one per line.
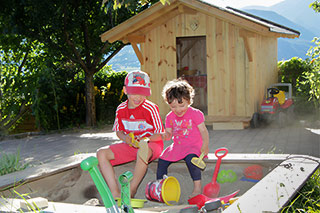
(124,181)
(278,106)
(212,189)
(90,165)
(253,172)
(201,199)
(166,190)
(227,176)
(142,145)
(134,142)
(198,161)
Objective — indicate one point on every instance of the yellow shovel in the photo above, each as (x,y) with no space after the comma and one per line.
(198,161)
(142,146)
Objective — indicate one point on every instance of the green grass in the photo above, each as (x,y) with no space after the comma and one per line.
(32,207)
(308,198)
(11,162)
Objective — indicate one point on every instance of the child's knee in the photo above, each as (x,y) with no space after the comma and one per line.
(105,154)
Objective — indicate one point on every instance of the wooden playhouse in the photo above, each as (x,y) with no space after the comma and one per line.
(229,56)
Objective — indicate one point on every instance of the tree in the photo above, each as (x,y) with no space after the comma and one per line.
(20,60)
(313,78)
(69,31)
(315,6)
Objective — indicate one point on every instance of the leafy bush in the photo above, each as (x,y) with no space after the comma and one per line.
(313,78)
(291,71)
(109,94)
(19,67)
(60,101)
(304,76)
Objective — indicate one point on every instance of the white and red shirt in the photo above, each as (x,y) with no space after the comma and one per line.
(143,120)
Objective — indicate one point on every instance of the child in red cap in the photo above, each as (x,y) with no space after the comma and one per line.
(139,116)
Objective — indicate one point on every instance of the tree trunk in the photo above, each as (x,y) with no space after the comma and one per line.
(90,100)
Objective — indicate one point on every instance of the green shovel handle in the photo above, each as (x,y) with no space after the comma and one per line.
(124,180)
(90,164)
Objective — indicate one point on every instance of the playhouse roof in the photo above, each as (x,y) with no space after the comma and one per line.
(135,28)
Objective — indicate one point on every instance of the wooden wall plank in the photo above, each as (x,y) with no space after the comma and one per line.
(171,55)
(250,83)
(220,87)
(241,76)
(232,71)
(179,25)
(226,61)
(151,69)
(255,73)
(171,51)
(163,64)
(211,64)
(156,68)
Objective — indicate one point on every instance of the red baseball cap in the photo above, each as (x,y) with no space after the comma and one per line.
(137,83)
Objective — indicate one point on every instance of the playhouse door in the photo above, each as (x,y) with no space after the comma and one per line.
(192,66)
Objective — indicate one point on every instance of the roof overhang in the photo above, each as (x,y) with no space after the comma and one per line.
(134,29)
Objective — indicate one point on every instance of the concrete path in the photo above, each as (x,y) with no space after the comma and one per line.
(294,139)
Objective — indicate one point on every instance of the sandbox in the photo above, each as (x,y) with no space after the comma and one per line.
(64,181)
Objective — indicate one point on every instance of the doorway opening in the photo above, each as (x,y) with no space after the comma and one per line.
(192,66)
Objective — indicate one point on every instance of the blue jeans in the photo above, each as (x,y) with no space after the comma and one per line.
(194,171)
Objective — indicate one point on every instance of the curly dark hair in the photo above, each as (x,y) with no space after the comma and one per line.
(178,89)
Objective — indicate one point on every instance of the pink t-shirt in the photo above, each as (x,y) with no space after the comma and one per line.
(185,134)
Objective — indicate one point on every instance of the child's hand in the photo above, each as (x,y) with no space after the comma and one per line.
(131,141)
(128,139)
(166,136)
(205,150)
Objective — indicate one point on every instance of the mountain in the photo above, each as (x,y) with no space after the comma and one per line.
(295,14)
(288,48)
(126,60)
(305,33)
(299,12)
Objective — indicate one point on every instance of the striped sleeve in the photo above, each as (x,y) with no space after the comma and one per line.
(155,115)
(118,126)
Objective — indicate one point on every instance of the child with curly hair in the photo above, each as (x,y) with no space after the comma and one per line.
(185,125)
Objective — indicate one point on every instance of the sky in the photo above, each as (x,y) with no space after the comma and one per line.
(244,3)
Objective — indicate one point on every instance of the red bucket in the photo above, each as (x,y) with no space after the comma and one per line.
(165,190)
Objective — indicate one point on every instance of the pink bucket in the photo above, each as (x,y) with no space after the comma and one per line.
(164,190)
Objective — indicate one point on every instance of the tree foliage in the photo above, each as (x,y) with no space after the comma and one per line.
(20,64)
(291,71)
(313,78)
(69,34)
(304,75)
(59,102)
(315,6)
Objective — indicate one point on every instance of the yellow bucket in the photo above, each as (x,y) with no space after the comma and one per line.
(166,190)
